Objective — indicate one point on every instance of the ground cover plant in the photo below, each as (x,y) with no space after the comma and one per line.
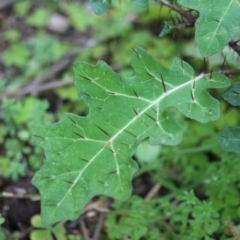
(147,150)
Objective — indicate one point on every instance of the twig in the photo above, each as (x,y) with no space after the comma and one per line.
(93,206)
(54,70)
(48,86)
(25,233)
(99,227)
(63,64)
(43,87)
(234,46)
(33,197)
(186,14)
(84,230)
(230,72)
(153,191)
(232,229)
(97,232)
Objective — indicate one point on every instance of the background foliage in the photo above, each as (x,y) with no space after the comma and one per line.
(190,191)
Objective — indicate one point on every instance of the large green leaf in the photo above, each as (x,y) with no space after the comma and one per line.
(217,25)
(88,156)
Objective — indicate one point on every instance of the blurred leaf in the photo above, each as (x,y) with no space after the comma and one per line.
(53,4)
(168,27)
(22,7)
(99,6)
(189,198)
(16,170)
(23,135)
(41,234)
(78,16)
(38,18)
(54,232)
(16,55)
(232,95)
(2,235)
(146,152)
(190,49)
(217,24)
(229,139)
(73,237)
(36,221)
(3,132)
(142,3)
(2,220)
(136,223)
(11,35)
(68,92)
(59,231)
(229,117)
(14,149)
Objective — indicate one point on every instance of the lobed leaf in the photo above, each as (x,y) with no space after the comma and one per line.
(217,25)
(229,139)
(88,156)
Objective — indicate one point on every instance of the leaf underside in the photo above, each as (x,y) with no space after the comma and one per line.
(217,25)
(89,156)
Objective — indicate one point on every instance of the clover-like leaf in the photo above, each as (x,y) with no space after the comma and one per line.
(217,25)
(88,156)
(229,139)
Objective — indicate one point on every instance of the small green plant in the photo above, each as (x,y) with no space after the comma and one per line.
(40,232)
(92,155)
(141,219)
(33,56)
(18,122)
